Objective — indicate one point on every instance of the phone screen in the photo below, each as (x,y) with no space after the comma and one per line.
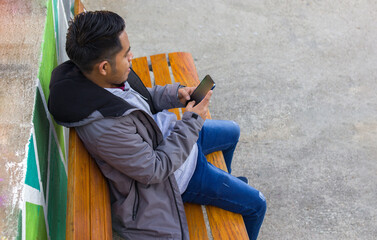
(201,91)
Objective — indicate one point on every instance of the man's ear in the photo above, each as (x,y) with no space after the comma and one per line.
(103,68)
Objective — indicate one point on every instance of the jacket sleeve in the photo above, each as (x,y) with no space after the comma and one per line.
(124,148)
(165,97)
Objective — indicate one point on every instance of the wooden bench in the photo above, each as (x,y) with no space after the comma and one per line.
(88,204)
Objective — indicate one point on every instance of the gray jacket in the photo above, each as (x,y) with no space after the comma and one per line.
(130,150)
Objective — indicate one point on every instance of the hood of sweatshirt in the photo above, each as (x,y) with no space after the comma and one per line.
(73,97)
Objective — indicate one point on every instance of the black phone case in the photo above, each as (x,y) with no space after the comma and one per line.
(201,91)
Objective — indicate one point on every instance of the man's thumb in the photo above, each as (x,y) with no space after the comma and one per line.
(191,104)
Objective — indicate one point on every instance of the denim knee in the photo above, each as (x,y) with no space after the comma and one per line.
(258,208)
(254,219)
(236,131)
(233,135)
(262,206)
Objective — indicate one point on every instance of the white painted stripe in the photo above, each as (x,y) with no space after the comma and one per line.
(52,124)
(66,144)
(24,191)
(42,201)
(40,181)
(63,26)
(54,16)
(33,195)
(48,169)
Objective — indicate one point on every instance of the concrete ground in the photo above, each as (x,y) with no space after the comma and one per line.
(298,76)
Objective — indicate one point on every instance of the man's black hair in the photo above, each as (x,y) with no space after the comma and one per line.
(93,37)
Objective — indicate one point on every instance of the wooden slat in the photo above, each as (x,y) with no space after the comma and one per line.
(140,66)
(224,224)
(88,202)
(195,221)
(100,217)
(194,213)
(78,7)
(160,69)
(183,68)
(78,204)
(217,159)
(184,71)
(162,75)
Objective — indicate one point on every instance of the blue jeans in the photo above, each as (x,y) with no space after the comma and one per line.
(211,186)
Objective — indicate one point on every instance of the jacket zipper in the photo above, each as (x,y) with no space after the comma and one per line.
(176,205)
(139,94)
(135,207)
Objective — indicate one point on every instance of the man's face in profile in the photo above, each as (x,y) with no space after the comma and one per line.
(122,62)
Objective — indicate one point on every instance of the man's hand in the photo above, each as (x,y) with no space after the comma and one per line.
(184,94)
(202,108)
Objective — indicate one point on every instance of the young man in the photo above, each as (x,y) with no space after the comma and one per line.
(153,162)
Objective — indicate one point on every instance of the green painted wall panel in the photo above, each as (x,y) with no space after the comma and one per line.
(41,131)
(49,58)
(60,134)
(35,222)
(56,19)
(57,199)
(32,178)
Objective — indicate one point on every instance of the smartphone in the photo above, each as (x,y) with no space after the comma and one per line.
(201,91)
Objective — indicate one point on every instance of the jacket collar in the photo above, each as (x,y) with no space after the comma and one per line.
(73,97)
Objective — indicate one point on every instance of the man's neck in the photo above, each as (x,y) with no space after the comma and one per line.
(96,79)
